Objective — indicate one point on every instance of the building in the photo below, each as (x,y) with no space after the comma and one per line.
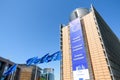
(91,51)
(4,65)
(48,73)
(22,72)
(29,72)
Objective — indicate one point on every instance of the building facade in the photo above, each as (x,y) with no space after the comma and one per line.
(91,51)
(48,73)
(29,72)
(22,72)
(4,65)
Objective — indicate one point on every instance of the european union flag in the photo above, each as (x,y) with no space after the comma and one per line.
(31,61)
(44,58)
(37,61)
(10,70)
(49,58)
(57,56)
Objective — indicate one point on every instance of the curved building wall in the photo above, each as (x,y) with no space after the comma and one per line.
(79,12)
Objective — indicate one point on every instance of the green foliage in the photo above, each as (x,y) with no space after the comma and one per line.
(42,78)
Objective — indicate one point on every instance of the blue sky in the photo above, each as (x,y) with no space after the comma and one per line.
(30,28)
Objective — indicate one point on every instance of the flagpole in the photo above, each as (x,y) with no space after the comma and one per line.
(47,75)
(35,72)
(13,73)
(11,76)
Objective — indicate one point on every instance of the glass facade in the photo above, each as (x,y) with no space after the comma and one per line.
(48,73)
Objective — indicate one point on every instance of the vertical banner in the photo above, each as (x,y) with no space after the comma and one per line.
(78,52)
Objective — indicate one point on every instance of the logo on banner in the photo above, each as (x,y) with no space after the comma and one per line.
(75,27)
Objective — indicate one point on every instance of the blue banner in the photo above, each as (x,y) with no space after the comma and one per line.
(78,52)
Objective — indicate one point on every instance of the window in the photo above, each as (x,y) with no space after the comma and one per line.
(0,65)
(96,22)
(6,67)
(100,39)
(102,46)
(76,14)
(104,53)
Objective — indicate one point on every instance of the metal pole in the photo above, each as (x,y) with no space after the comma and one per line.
(11,76)
(35,73)
(47,75)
